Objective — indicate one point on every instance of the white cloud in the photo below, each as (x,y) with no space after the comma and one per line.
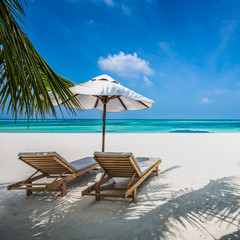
(227,32)
(126,10)
(220,91)
(151,1)
(92,23)
(164,46)
(109,2)
(206,100)
(167,49)
(126,65)
(147,81)
(161,74)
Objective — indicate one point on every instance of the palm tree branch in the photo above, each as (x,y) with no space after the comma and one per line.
(26,78)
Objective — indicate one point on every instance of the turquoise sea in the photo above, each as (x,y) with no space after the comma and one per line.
(120,126)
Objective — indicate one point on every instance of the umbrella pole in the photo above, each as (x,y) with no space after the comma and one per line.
(104,125)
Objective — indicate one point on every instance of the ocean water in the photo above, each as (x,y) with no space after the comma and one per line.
(120,126)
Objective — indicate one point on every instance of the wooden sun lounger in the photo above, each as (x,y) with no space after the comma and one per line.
(51,165)
(122,165)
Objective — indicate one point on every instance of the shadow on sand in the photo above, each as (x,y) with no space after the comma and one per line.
(232,236)
(217,202)
(160,213)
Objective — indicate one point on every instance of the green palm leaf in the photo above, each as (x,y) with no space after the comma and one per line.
(25,78)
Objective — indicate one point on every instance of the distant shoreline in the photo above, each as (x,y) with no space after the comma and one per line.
(159,119)
(120,126)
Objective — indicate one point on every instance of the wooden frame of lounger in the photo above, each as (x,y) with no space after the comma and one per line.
(50,165)
(123,167)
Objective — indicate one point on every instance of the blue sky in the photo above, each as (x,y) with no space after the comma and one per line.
(183,54)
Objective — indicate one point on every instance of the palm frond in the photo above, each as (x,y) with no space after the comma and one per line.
(25,78)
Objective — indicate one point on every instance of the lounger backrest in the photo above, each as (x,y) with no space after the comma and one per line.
(47,162)
(118,164)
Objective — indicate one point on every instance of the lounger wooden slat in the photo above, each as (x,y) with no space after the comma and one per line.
(121,170)
(118,167)
(121,165)
(51,165)
(121,173)
(38,160)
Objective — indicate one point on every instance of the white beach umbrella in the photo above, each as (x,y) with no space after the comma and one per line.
(107,95)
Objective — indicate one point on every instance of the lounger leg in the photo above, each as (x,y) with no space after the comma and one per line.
(64,189)
(134,195)
(157,171)
(28,192)
(97,197)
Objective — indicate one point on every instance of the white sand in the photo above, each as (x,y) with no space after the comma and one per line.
(195,196)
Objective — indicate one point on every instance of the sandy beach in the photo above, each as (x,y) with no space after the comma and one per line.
(195,196)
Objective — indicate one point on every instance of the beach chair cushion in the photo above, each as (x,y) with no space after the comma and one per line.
(83,163)
(145,163)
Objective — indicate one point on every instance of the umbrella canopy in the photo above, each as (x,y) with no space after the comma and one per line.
(107,95)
